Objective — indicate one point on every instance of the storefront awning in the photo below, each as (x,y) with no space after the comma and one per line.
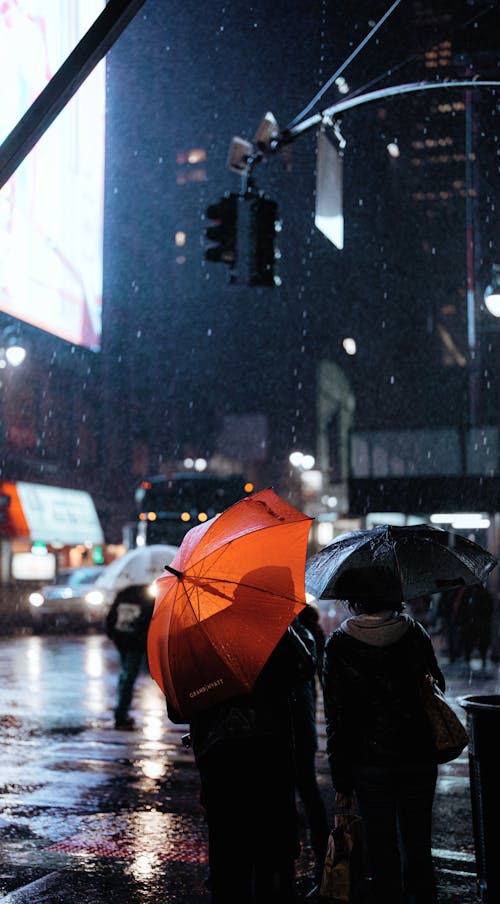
(48,514)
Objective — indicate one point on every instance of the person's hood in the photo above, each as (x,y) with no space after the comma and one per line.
(379,630)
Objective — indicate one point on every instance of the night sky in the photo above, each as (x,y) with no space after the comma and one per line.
(187,347)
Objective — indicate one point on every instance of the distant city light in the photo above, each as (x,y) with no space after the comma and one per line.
(393,149)
(492,303)
(39,549)
(196,155)
(180,239)
(15,355)
(492,292)
(200,464)
(462,520)
(330,501)
(325,533)
(192,156)
(300,460)
(189,462)
(349,345)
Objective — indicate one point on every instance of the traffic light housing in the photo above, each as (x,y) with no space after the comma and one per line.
(243,234)
(261,249)
(222,232)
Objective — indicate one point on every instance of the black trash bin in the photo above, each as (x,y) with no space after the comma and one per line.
(483,724)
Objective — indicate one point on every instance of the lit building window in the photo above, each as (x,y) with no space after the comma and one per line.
(189,162)
(198,175)
(196,155)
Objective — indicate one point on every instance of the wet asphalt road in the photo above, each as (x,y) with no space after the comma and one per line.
(89,814)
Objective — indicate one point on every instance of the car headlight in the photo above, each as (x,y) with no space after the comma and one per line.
(94,598)
(152,590)
(36,599)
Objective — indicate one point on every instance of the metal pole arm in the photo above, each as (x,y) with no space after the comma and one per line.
(349,103)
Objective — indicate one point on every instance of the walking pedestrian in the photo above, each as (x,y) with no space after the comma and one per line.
(244,751)
(379,744)
(447,624)
(310,617)
(474,608)
(127,624)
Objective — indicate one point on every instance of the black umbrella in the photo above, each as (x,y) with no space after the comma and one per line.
(392,564)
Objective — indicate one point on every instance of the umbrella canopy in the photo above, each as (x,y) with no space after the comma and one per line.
(138,566)
(237,584)
(392,564)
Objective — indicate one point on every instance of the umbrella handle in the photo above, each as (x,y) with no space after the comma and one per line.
(178,574)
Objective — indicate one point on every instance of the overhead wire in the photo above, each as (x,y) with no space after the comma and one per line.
(418,56)
(344,65)
(387,72)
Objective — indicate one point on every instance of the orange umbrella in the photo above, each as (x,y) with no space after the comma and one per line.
(234,587)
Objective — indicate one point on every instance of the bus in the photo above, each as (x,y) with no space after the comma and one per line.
(167,507)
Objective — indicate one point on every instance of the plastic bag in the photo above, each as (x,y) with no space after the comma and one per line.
(344,856)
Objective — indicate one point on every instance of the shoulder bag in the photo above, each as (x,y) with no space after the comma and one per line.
(448,732)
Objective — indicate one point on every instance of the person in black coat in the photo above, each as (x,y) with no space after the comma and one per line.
(244,751)
(379,742)
(127,624)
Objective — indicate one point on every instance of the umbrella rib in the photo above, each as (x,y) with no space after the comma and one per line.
(205,584)
(197,585)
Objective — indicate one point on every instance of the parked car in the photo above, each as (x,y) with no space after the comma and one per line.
(72,601)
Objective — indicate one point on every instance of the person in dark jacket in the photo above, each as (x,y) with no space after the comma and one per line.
(379,742)
(244,751)
(304,702)
(127,624)
(474,613)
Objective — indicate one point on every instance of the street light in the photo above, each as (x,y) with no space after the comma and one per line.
(12,349)
(492,292)
(301,461)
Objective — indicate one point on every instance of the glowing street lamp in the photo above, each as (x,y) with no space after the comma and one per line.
(492,292)
(301,461)
(12,350)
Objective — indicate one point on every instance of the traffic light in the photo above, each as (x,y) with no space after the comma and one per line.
(222,232)
(243,235)
(261,243)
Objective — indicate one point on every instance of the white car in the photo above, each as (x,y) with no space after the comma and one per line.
(72,601)
(82,597)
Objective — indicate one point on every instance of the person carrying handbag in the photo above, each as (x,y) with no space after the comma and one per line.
(379,741)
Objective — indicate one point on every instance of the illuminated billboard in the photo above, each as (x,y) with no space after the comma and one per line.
(51,209)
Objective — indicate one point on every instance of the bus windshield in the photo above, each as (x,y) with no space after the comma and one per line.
(181,494)
(167,507)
